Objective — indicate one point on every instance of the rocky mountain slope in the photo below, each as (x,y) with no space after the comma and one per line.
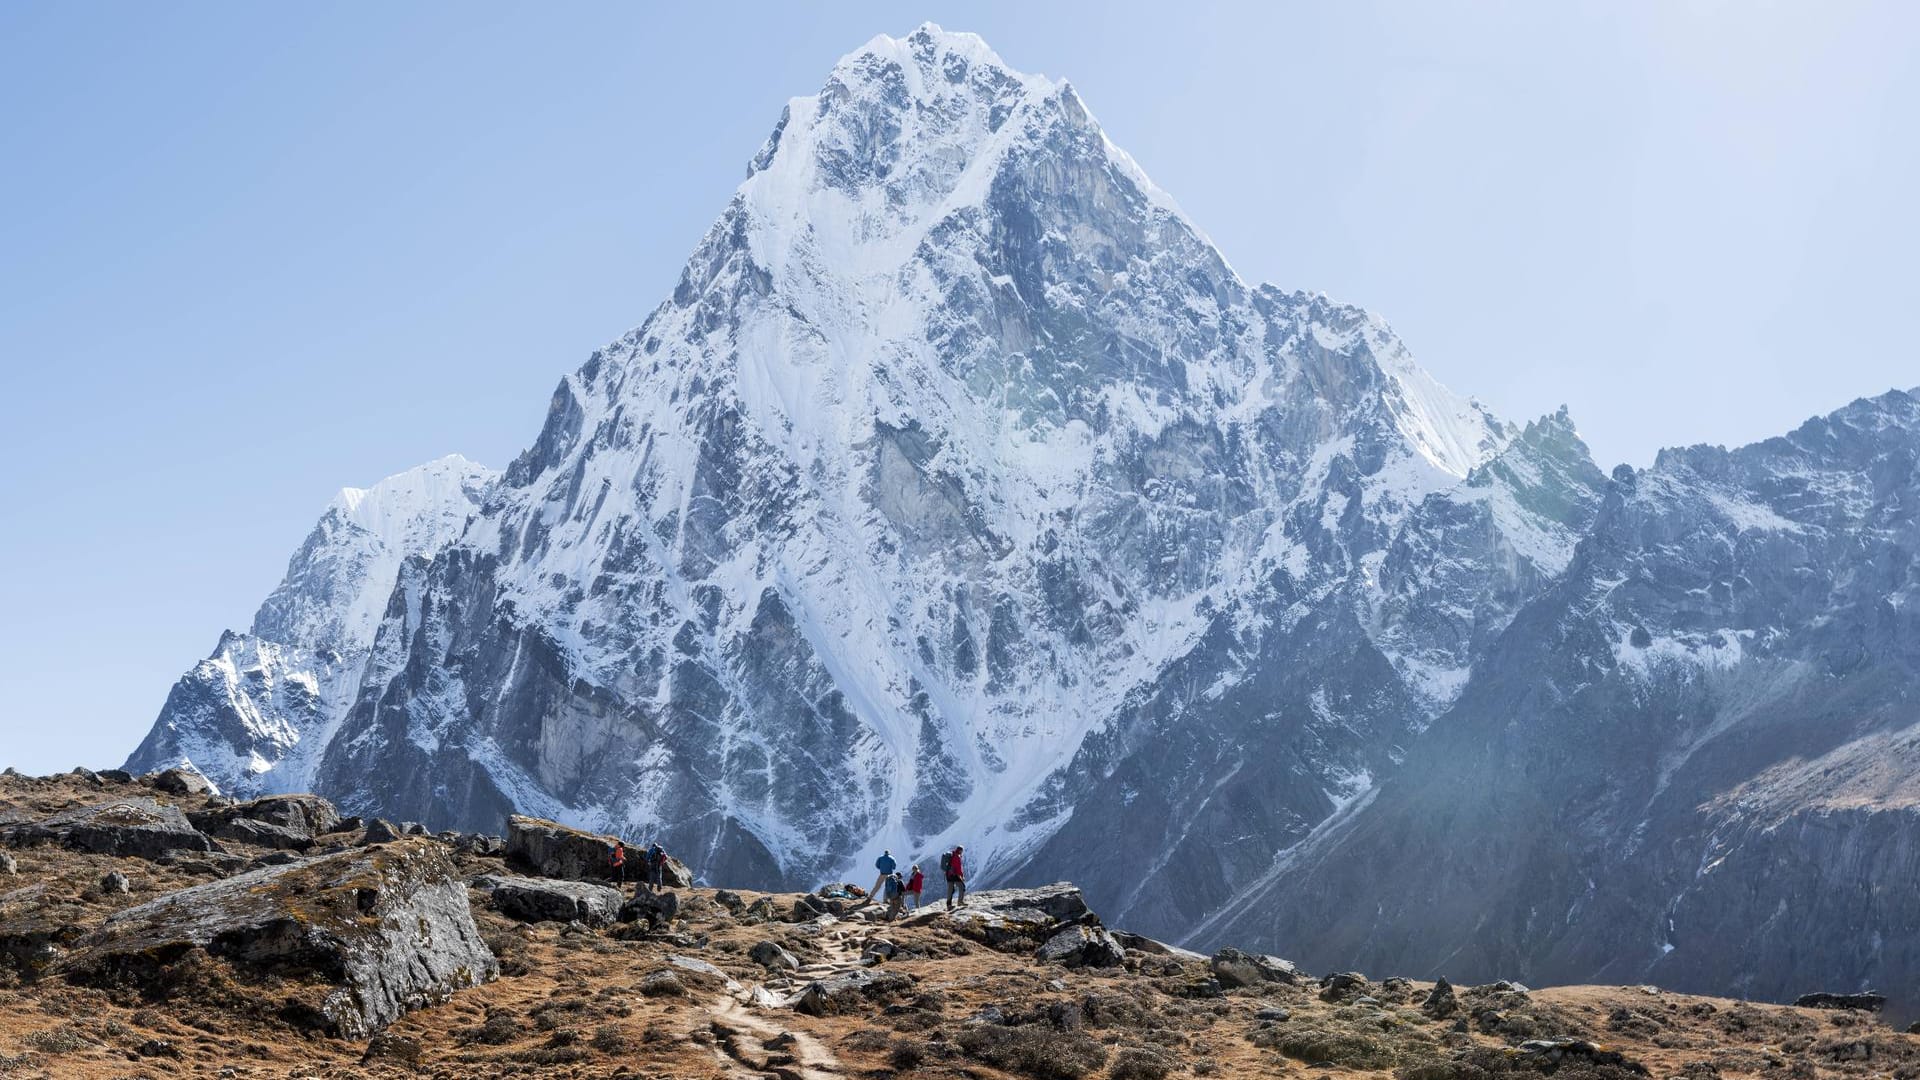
(962,492)
(1692,760)
(288,942)
(256,715)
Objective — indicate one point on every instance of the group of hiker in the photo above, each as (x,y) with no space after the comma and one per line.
(896,888)
(892,886)
(653,867)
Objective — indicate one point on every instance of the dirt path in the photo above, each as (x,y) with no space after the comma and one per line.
(751,1042)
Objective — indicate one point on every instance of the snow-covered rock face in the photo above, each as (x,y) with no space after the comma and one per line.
(1692,760)
(253,716)
(954,439)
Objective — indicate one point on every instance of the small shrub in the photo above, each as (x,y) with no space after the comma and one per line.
(906,1055)
(1135,1063)
(1318,1047)
(60,1040)
(610,1039)
(1039,1052)
(509,949)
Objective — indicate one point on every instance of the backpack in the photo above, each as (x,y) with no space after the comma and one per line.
(946,863)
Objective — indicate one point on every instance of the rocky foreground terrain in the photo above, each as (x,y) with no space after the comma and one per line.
(150,929)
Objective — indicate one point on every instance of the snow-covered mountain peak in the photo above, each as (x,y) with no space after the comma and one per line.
(417,511)
(905,131)
(338,583)
(255,715)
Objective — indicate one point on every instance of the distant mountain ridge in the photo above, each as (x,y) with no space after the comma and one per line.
(255,716)
(962,492)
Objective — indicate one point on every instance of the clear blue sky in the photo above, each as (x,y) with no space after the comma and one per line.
(252,253)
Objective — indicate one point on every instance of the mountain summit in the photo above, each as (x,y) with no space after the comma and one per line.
(961,492)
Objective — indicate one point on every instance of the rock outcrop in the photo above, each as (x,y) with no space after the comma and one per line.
(851,991)
(1081,945)
(135,826)
(369,934)
(545,900)
(550,849)
(1235,968)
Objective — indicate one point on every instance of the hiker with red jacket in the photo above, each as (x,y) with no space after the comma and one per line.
(618,857)
(955,869)
(916,883)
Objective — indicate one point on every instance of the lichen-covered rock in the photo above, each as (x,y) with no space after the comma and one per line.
(1081,945)
(1441,1002)
(34,931)
(1017,919)
(700,972)
(136,826)
(361,936)
(550,849)
(851,991)
(115,883)
(546,900)
(288,822)
(1235,968)
(1344,986)
(770,955)
(381,831)
(662,983)
(1060,901)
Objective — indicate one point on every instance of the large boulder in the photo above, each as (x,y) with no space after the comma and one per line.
(291,822)
(135,826)
(357,938)
(181,782)
(851,991)
(1081,945)
(770,955)
(1060,902)
(545,900)
(656,909)
(550,849)
(261,834)
(1441,1003)
(1014,919)
(1235,968)
(37,924)
(1867,1002)
(1019,919)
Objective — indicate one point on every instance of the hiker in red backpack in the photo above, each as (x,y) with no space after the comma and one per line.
(656,867)
(916,883)
(956,871)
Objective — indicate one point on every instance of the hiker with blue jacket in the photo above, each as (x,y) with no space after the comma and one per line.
(656,867)
(896,895)
(886,866)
